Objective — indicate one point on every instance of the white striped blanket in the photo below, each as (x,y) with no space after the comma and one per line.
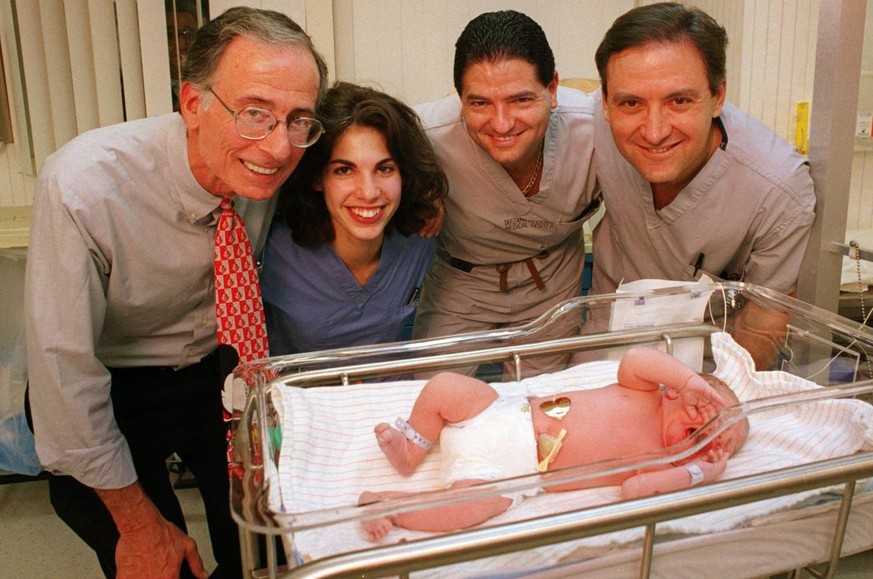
(329,454)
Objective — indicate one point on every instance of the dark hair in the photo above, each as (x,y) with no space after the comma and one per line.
(263,26)
(500,35)
(666,22)
(345,105)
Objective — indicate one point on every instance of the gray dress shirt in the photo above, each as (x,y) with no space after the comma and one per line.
(119,274)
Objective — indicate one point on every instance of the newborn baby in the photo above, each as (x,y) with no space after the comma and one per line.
(657,402)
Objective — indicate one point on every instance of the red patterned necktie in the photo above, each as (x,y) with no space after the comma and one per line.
(238,306)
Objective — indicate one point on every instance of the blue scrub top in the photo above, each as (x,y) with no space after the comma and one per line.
(313,302)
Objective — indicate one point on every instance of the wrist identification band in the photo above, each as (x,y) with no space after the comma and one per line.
(696,473)
(409,432)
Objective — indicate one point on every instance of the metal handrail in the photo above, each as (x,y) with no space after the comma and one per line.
(517,536)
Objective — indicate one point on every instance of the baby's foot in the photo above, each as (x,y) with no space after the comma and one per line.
(379,527)
(403,455)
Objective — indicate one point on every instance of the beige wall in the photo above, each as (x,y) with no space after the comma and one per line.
(415,62)
(860,212)
(406,47)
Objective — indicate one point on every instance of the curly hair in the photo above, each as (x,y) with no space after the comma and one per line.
(345,105)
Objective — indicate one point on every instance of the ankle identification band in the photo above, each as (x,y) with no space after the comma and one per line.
(409,432)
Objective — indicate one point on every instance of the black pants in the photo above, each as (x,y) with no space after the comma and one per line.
(160,412)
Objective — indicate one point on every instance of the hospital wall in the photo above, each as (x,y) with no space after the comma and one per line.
(403,46)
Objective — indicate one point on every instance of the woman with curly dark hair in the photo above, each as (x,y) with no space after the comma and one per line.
(344,262)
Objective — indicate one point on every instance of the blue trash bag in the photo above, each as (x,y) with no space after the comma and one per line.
(17,452)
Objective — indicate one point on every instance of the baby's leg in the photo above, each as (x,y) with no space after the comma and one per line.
(445,398)
(433,519)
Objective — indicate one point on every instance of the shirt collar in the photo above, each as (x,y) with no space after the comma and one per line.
(195,202)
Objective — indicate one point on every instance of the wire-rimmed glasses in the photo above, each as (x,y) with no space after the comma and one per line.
(255,123)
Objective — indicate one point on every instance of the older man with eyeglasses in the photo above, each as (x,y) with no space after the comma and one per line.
(120,303)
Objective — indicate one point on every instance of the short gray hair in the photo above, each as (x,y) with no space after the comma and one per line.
(264,26)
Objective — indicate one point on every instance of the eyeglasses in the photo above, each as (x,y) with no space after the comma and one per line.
(255,123)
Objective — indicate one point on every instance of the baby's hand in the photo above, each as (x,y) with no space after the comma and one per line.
(700,399)
(713,464)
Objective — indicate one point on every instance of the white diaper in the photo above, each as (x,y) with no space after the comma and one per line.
(498,443)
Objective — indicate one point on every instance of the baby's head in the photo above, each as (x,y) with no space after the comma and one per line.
(733,439)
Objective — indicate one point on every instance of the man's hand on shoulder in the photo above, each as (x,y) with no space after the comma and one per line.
(433,225)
